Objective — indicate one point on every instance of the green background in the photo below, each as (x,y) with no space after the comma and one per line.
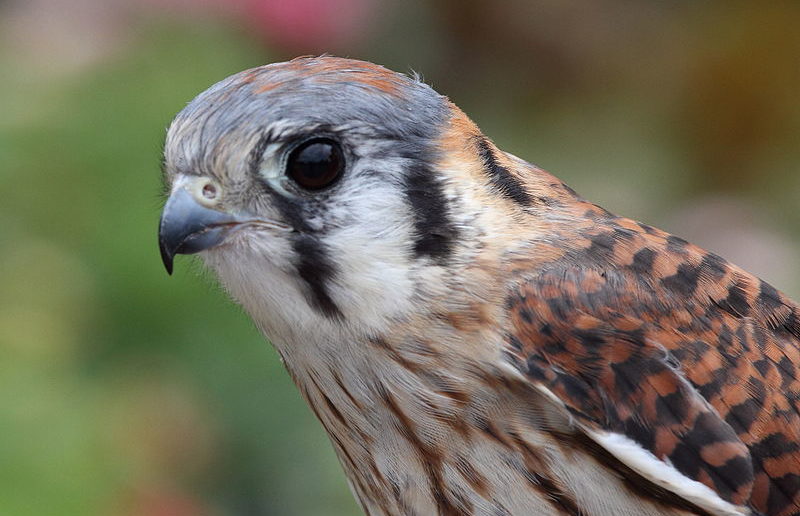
(127,392)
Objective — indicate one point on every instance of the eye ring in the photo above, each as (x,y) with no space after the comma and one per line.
(316,163)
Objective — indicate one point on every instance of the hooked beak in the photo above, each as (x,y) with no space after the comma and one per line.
(188,227)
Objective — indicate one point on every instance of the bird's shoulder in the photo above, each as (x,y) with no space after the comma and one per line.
(655,345)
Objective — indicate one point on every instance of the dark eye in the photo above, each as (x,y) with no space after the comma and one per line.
(316,163)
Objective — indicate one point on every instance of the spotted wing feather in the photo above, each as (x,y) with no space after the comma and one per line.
(643,335)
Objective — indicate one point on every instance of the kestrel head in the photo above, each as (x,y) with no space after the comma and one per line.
(332,190)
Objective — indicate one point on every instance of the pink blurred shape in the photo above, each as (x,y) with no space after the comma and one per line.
(312,25)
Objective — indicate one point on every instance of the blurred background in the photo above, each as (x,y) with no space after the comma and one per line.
(125,392)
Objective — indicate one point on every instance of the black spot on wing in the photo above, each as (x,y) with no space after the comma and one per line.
(642,433)
(435,231)
(643,261)
(714,386)
(736,303)
(787,371)
(672,408)
(623,234)
(315,268)
(742,416)
(713,267)
(502,180)
(650,230)
(676,244)
(782,491)
(687,456)
(763,366)
(773,446)
(631,373)
(769,299)
(792,323)
(602,246)
(683,282)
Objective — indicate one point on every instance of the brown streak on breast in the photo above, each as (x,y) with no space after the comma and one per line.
(476,480)
(329,404)
(430,458)
(536,472)
(346,392)
(372,488)
(475,317)
(394,354)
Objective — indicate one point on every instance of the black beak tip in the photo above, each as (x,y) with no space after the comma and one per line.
(166,258)
(186,227)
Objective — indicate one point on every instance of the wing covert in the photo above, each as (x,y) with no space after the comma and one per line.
(678,351)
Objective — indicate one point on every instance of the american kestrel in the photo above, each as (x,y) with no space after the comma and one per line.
(475,337)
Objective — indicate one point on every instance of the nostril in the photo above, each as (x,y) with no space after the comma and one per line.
(209,191)
(205,191)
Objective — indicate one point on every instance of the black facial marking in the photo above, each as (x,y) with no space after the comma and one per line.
(435,231)
(316,270)
(313,264)
(502,180)
(292,210)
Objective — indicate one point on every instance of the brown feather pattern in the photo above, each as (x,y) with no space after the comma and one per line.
(641,333)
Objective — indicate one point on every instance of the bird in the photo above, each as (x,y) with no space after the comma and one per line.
(475,337)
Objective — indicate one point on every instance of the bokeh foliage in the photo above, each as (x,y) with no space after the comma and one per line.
(125,392)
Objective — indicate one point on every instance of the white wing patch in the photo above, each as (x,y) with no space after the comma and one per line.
(664,474)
